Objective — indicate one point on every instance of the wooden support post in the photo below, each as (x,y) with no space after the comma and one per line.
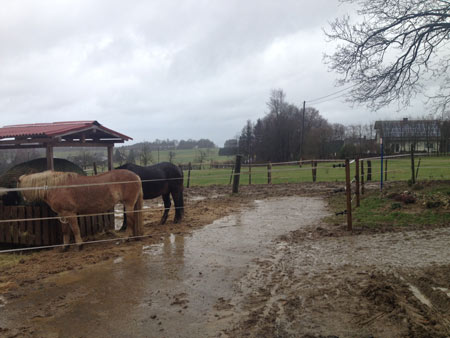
(369,171)
(362,177)
(110,157)
(95,168)
(417,170)
(357,181)
(49,154)
(269,173)
(385,170)
(249,173)
(348,190)
(237,174)
(314,170)
(189,174)
(413,178)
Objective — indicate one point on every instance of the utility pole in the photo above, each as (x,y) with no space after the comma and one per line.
(303,130)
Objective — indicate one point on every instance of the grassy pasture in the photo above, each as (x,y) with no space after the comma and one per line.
(398,169)
(431,206)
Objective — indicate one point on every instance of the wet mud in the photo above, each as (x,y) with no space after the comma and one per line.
(260,264)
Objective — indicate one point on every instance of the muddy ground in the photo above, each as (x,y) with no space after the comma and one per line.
(259,264)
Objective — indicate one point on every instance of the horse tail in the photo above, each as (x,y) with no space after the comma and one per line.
(138,207)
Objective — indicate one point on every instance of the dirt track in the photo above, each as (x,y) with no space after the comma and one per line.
(271,269)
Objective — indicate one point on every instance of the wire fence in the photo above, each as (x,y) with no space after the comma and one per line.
(394,168)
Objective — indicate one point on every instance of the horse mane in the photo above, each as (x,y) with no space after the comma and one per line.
(40,180)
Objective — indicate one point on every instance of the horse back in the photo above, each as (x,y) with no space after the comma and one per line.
(93,193)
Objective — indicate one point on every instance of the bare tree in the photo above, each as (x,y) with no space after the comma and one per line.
(146,156)
(172,155)
(201,157)
(399,45)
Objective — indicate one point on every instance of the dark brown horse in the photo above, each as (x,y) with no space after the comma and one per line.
(69,194)
(162,179)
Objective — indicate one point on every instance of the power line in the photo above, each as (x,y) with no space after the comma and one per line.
(331,94)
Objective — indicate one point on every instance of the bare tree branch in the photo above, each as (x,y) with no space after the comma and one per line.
(397,49)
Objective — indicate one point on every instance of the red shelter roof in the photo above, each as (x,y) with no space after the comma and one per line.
(60,129)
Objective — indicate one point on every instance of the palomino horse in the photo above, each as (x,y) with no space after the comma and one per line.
(69,194)
(161,179)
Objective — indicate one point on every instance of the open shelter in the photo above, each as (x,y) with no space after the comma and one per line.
(26,225)
(61,134)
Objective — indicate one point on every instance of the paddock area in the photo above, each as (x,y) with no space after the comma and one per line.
(260,263)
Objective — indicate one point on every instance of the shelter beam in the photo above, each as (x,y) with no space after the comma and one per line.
(49,154)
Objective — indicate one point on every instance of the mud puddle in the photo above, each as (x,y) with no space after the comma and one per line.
(180,288)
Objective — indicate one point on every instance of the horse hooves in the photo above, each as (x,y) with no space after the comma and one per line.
(64,248)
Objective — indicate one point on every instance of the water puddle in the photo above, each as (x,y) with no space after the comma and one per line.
(174,286)
(201,198)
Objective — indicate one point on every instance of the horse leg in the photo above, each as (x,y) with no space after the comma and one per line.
(66,236)
(131,220)
(166,199)
(73,222)
(179,205)
(124,224)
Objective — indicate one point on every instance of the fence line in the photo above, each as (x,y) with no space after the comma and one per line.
(73,244)
(222,176)
(143,210)
(6,190)
(393,156)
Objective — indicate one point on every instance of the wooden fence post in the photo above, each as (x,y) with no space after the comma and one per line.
(369,171)
(189,174)
(249,173)
(95,168)
(362,177)
(269,173)
(314,170)
(237,174)
(417,170)
(357,181)
(231,176)
(413,178)
(348,190)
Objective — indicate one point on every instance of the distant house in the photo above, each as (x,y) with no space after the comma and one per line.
(399,135)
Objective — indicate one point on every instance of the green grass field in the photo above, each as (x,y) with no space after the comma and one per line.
(431,206)
(398,169)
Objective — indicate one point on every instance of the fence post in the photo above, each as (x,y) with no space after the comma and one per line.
(237,174)
(417,170)
(231,176)
(95,168)
(249,173)
(269,173)
(413,178)
(189,174)
(357,180)
(385,170)
(314,172)
(369,171)
(348,190)
(362,177)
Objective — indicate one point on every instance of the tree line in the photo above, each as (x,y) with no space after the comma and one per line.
(287,133)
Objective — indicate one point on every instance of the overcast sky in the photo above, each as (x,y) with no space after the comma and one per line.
(166,69)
